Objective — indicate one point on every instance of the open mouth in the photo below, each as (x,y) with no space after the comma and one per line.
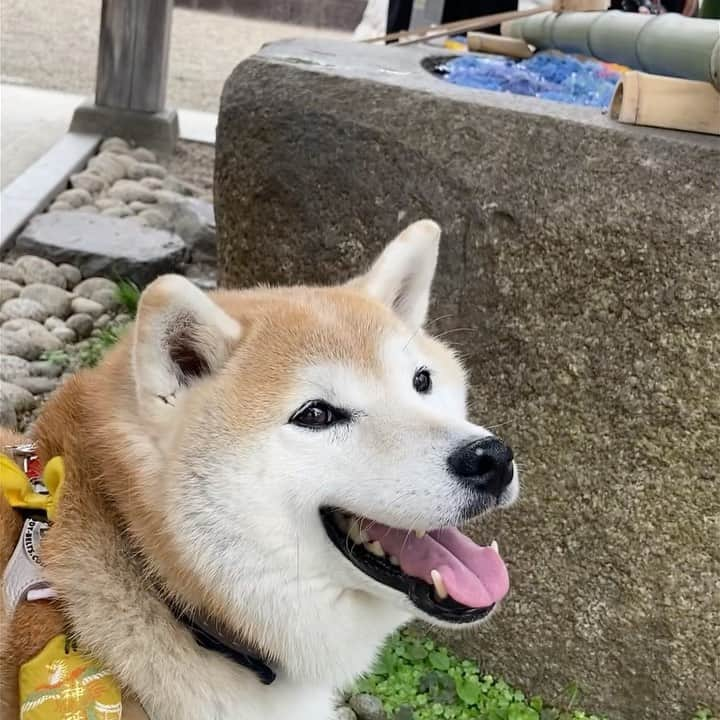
(443,572)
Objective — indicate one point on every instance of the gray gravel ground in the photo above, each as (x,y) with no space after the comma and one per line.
(51,44)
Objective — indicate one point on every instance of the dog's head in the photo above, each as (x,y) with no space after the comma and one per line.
(316,439)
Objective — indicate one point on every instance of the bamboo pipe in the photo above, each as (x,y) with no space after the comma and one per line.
(670,44)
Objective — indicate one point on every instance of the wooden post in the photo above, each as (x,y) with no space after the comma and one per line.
(132,72)
(133,55)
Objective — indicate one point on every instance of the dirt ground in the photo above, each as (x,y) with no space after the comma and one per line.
(193,163)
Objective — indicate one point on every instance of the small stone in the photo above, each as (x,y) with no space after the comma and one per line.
(123,319)
(103,203)
(89,181)
(153,218)
(12,367)
(81,305)
(345,713)
(144,169)
(87,288)
(176,185)
(102,322)
(53,322)
(76,197)
(152,183)
(122,211)
(137,207)
(55,300)
(39,270)
(144,155)
(8,416)
(129,190)
(81,323)
(108,167)
(8,290)
(88,209)
(45,368)
(26,309)
(127,161)
(37,385)
(367,707)
(20,399)
(60,206)
(72,275)
(11,273)
(168,196)
(115,145)
(64,334)
(194,221)
(26,339)
(107,298)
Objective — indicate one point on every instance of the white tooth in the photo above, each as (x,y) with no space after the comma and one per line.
(393,560)
(442,593)
(375,548)
(494,546)
(420,533)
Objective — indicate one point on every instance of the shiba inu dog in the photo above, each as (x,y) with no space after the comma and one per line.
(259,486)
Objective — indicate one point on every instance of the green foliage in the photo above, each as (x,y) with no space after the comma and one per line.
(86,354)
(128,295)
(417,680)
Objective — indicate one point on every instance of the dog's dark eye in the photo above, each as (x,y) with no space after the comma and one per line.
(422,382)
(317,415)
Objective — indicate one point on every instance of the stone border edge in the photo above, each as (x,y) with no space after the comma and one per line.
(34,189)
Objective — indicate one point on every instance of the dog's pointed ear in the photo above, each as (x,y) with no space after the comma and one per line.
(181,335)
(402,276)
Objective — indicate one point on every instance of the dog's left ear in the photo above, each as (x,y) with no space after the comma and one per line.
(181,336)
(402,276)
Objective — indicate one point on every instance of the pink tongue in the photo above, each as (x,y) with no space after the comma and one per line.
(473,575)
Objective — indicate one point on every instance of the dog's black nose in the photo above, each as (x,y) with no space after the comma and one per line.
(486,464)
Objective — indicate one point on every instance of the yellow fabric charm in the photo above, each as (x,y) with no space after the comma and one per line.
(19,491)
(60,683)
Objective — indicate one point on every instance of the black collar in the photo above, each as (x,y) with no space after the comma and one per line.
(209,636)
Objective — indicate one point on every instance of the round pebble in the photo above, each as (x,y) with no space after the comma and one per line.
(137,207)
(11,273)
(123,318)
(107,166)
(118,212)
(81,305)
(176,185)
(129,190)
(44,368)
(152,183)
(168,197)
(37,385)
(8,290)
(89,181)
(367,707)
(8,416)
(144,169)
(26,339)
(90,209)
(53,322)
(115,145)
(102,321)
(345,713)
(88,287)
(60,206)
(17,397)
(36,269)
(55,300)
(75,197)
(64,334)
(153,218)
(103,203)
(81,323)
(107,298)
(72,275)
(12,367)
(26,309)
(144,155)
